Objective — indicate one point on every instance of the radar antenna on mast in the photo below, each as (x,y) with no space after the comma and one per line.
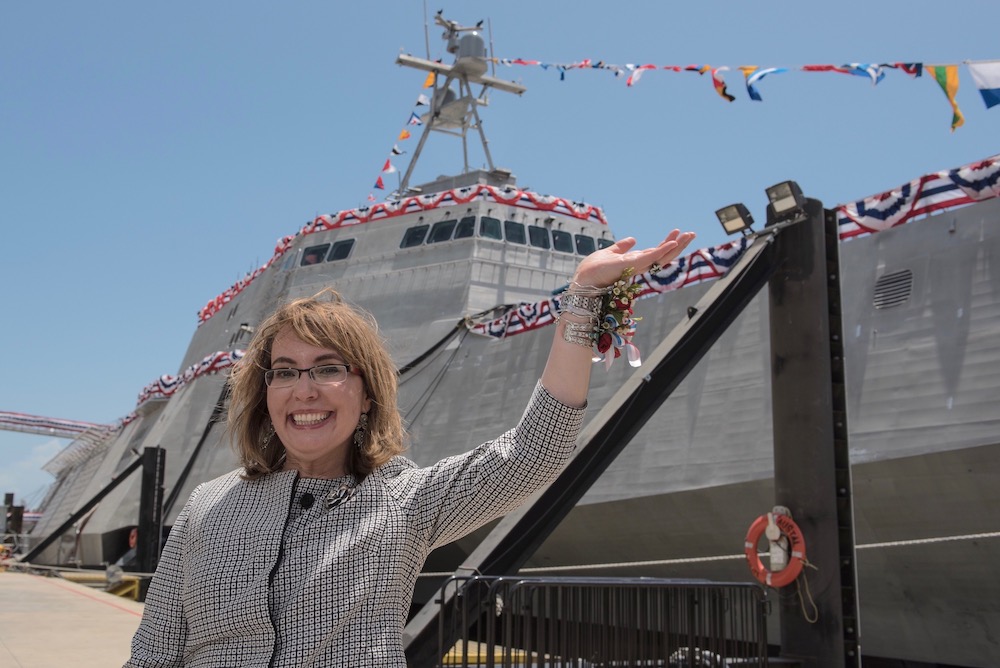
(452,111)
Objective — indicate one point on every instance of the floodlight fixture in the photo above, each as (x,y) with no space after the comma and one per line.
(735,218)
(785,201)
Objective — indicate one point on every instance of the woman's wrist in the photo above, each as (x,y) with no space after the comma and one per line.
(600,318)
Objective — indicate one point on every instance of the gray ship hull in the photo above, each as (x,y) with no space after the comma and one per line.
(923,380)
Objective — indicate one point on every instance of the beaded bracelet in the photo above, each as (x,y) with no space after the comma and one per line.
(609,325)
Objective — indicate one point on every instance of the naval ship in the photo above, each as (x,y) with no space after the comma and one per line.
(461,274)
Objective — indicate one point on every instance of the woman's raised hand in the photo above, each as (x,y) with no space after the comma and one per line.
(603,267)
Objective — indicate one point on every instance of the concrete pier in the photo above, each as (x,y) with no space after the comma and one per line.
(49,621)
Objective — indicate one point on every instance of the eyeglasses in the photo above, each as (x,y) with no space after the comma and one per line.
(324,374)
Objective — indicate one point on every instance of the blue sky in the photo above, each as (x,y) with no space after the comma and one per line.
(151,154)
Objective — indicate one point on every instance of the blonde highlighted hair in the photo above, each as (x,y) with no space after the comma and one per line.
(327,321)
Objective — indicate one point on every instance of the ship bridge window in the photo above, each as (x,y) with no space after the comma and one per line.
(414,236)
(562,241)
(489,228)
(584,244)
(341,250)
(604,243)
(314,254)
(893,289)
(466,227)
(441,231)
(514,232)
(539,237)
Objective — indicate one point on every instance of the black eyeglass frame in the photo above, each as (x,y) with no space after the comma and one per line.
(311,371)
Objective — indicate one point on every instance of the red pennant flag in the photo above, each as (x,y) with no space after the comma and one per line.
(379,184)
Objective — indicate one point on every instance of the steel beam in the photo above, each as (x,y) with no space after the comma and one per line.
(811,462)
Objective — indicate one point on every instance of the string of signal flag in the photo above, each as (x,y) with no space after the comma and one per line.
(404,134)
(985,75)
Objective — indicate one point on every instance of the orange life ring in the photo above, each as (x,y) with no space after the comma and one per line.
(797,550)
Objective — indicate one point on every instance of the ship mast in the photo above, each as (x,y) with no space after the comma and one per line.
(455,111)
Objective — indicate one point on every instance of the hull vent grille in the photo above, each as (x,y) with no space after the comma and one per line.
(893,289)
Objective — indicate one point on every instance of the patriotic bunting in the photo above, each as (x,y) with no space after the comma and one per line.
(920,197)
(89,438)
(508,196)
(702,265)
(166,386)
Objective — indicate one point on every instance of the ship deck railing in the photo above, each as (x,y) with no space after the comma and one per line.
(601,622)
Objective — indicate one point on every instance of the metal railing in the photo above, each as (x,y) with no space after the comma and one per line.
(589,622)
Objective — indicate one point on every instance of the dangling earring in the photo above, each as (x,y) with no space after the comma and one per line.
(360,431)
(268,434)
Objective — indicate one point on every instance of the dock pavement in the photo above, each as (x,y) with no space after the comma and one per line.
(48,621)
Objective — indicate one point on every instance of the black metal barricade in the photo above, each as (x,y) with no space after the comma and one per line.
(589,622)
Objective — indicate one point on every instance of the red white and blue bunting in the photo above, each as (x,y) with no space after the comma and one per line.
(90,438)
(507,196)
(920,197)
(705,264)
(166,386)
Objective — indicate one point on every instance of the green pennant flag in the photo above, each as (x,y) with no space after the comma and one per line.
(947,78)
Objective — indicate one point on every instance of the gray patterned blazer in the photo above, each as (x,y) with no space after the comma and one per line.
(346,575)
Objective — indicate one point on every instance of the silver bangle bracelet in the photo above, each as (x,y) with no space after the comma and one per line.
(582,334)
(581,304)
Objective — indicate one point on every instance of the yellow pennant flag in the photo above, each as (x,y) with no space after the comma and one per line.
(947,78)
(430,80)
(403,135)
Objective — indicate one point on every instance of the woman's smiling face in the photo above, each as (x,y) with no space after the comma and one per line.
(315,422)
